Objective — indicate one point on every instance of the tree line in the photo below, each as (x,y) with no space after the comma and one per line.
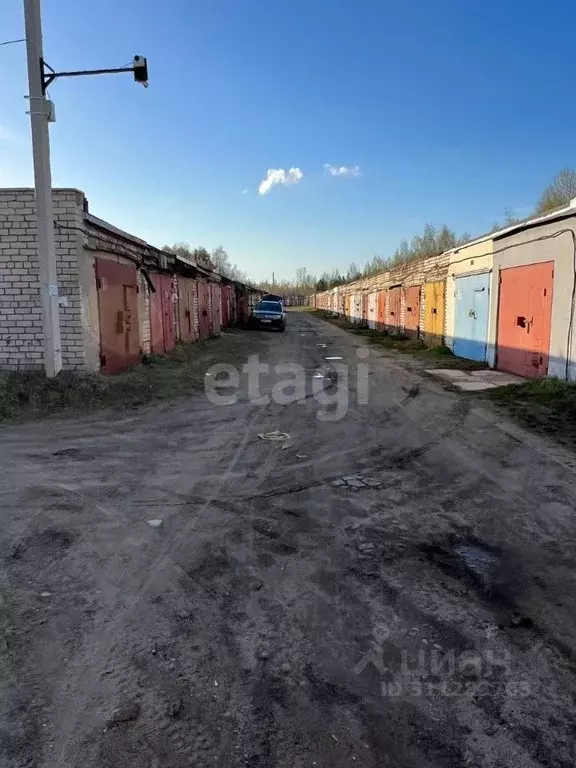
(432,241)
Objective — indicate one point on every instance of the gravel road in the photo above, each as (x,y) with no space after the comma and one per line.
(395,587)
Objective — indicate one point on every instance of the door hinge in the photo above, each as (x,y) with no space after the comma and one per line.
(102,361)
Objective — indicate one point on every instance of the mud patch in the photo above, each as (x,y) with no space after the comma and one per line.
(479,561)
(468,559)
(51,543)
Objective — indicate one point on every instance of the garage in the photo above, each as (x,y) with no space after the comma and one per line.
(394,308)
(204,319)
(215,307)
(434,313)
(372,310)
(117,286)
(472,302)
(412,313)
(524,319)
(163,337)
(186,302)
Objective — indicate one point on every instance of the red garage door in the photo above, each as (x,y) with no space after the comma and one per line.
(394,308)
(118,311)
(524,319)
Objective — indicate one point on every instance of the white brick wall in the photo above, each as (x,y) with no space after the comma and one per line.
(21,336)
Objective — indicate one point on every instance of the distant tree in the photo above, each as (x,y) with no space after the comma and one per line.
(353,272)
(445,239)
(559,192)
(219,257)
(198,255)
(322,285)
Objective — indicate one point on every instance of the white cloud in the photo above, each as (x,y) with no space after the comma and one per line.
(343,170)
(276,176)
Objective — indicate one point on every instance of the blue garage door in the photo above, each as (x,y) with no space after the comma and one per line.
(471,319)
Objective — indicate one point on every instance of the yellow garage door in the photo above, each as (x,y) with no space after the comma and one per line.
(434,313)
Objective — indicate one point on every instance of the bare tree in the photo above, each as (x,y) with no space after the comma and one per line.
(559,192)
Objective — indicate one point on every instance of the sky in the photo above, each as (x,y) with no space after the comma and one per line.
(299,132)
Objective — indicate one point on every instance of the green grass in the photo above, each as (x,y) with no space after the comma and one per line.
(546,405)
(436,357)
(32,395)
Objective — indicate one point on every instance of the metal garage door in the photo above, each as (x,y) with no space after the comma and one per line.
(118,311)
(216,307)
(524,319)
(471,316)
(357,308)
(372,310)
(412,316)
(186,291)
(394,308)
(204,319)
(434,313)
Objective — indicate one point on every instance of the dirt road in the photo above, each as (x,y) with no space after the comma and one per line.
(421,612)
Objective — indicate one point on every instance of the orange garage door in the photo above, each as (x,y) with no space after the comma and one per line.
(524,318)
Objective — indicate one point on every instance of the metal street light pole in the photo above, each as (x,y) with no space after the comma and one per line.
(43,186)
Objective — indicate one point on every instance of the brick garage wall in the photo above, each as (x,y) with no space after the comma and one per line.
(21,334)
(144,314)
(419,272)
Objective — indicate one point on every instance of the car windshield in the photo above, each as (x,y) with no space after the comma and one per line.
(269,306)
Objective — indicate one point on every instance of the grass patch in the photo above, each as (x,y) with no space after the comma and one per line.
(546,405)
(443,357)
(180,372)
(435,357)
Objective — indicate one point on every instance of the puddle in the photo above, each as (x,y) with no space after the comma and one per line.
(482,563)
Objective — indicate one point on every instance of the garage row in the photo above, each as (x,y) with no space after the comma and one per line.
(142,312)
(506,298)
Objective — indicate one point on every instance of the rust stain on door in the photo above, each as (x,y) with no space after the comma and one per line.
(118,311)
(524,319)
(394,309)
(204,319)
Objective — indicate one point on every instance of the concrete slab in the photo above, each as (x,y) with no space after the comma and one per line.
(474,386)
(448,373)
(497,377)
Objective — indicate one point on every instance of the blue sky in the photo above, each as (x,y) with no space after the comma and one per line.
(452,111)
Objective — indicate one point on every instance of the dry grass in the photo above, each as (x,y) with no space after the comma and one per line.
(438,356)
(32,395)
(544,405)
